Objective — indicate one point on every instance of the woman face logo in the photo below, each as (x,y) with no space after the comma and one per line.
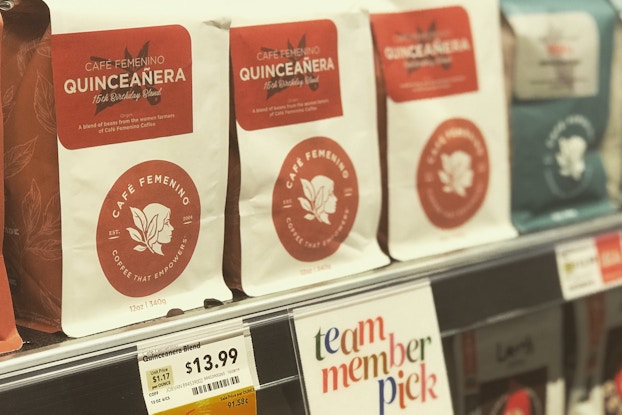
(315,202)
(330,201)
(144,246)
(319,199)
(153,228)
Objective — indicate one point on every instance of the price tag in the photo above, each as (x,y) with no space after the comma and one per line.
(589,265)
(378,353)
(198,378)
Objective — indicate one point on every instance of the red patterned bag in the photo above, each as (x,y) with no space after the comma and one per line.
(32,227)
(9,337)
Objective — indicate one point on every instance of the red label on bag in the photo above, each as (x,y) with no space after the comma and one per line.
(315,199)
(609,248)
(285,73)
(148,228)
(121,85)
(453,173)
(426,54)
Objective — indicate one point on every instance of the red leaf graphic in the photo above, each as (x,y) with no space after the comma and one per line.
(47,249)
(8,101)
(31,208)
(51,216)
(44,104)
(18,157)
(303,42)
(24,55)
(127,54)
(44,49)
(144,52)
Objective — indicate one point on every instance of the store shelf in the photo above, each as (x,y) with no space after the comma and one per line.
(99,374)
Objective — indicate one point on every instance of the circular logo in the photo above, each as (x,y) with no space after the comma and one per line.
(148,228)
(315,199)
(566,172)
(453,173)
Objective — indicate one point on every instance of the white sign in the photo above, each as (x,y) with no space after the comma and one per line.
(215,373)
(589,265)
(376,353)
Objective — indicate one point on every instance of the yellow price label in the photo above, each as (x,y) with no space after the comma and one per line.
(239,402)
(160,378)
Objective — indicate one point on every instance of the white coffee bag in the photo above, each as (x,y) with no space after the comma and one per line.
(140,101)
(308,184)
(442,116)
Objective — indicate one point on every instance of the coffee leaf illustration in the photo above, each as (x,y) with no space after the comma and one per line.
(143,53)
(135,235)
(303,42)
(306,205)
(307,189)
(140,248)
(445,179)
(282,83)
(456,174)
(24,55)
(8,102)
(45,47)
(51,217)
(31,208)
(432,30)
(309,216)
(318,203)
(324,218)
(571,157)
(17,157)
(47,249)
(44,104)
(152,230)
(140,220)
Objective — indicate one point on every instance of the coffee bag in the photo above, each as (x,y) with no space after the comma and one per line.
(443,123)
(304,200)
(560,109)
(9,337)
(116,162)
(612,146)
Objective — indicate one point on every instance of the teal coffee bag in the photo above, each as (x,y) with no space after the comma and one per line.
(613,144)
(559,110)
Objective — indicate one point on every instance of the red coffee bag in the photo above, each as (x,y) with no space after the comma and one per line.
(9,337)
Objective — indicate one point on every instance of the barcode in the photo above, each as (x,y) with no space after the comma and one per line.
(208,387)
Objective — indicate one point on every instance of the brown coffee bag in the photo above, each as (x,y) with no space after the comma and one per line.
(9,337)
(32,229)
